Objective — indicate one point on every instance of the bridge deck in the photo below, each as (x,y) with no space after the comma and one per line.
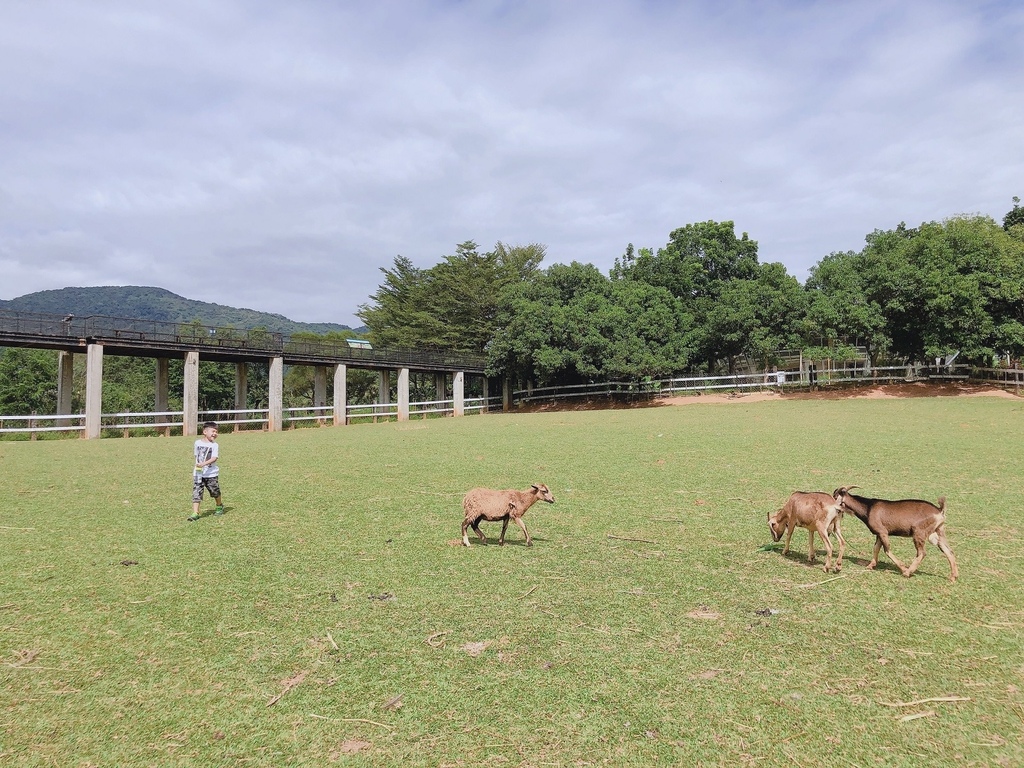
(154,338)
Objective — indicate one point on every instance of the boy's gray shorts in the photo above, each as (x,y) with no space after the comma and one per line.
(211,484)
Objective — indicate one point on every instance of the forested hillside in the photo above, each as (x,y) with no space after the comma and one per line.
(157,304)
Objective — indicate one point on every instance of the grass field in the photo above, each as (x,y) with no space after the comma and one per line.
(329,618)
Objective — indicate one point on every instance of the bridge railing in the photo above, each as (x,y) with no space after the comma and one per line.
(139,332)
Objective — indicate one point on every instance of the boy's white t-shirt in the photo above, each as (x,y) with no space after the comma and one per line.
(204,451)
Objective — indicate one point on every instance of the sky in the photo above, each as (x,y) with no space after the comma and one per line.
(277,155)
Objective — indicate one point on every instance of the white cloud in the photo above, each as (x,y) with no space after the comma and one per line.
(288,151)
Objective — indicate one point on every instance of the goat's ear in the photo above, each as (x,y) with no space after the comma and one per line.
(535,487)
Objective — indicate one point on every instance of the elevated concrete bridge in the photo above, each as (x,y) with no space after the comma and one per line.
(95,335)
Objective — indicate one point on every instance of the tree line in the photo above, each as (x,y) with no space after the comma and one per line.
(702,303)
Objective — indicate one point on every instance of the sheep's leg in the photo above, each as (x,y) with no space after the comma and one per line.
(939,540)
(465,538)
(823,532)
(504,527)
(476,527)
(521,524)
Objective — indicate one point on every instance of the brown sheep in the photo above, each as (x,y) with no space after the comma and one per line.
(487,504)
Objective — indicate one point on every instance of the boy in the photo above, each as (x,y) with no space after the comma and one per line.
(206,470)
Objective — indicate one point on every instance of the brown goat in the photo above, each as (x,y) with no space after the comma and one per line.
(920,520)
(487,504)
(815,512)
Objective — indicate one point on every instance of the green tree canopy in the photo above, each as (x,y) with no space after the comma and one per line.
(452,305)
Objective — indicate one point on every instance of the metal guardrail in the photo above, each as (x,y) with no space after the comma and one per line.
(133,332)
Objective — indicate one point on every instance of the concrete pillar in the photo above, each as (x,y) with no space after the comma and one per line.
(403,394)
(487,389)
(458,393)
(319,390)
(65,381)
(506,394)
(93,390)
(383,391)
(190,395)
(162,385)
(340,394)
(241,386)
(275,395)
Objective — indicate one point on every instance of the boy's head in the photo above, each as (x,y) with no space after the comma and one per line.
(210,430)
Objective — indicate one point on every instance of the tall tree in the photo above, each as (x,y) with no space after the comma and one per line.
(453,305)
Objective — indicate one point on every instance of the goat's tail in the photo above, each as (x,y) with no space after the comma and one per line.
(942,505)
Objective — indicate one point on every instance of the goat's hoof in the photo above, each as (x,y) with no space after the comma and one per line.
(529,543)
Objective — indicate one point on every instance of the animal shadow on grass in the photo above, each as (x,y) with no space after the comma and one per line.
(492,541)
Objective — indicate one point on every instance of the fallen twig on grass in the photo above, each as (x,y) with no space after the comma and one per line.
(12,528)
(819,583)
(529,591)
(393,703)
(626,538)
(666,520)
(915,716)
(433,642)
(353,720)
(288,684)
(331,639)
(923,701)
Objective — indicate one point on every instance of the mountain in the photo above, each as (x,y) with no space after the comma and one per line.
(148,303)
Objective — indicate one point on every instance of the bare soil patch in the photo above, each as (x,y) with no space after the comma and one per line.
(865,391)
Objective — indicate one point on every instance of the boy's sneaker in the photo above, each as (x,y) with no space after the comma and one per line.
(219,511)
(193,518)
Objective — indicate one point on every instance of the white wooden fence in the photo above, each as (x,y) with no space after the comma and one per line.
(35,425)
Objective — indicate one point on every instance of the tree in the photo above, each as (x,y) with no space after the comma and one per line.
(454,304)
(697,262)
(839,310)
(28,381)
(1014,217)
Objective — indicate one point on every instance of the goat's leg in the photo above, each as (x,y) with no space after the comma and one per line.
(842,546)
(789,535)
(823,532)
(919,544)
(874,556)
(883,539)
(504,526)
(526,533)
(939,540)
(810,545)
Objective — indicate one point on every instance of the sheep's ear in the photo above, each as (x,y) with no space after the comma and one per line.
(535,487)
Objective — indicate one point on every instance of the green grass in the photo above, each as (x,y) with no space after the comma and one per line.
(598,650)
